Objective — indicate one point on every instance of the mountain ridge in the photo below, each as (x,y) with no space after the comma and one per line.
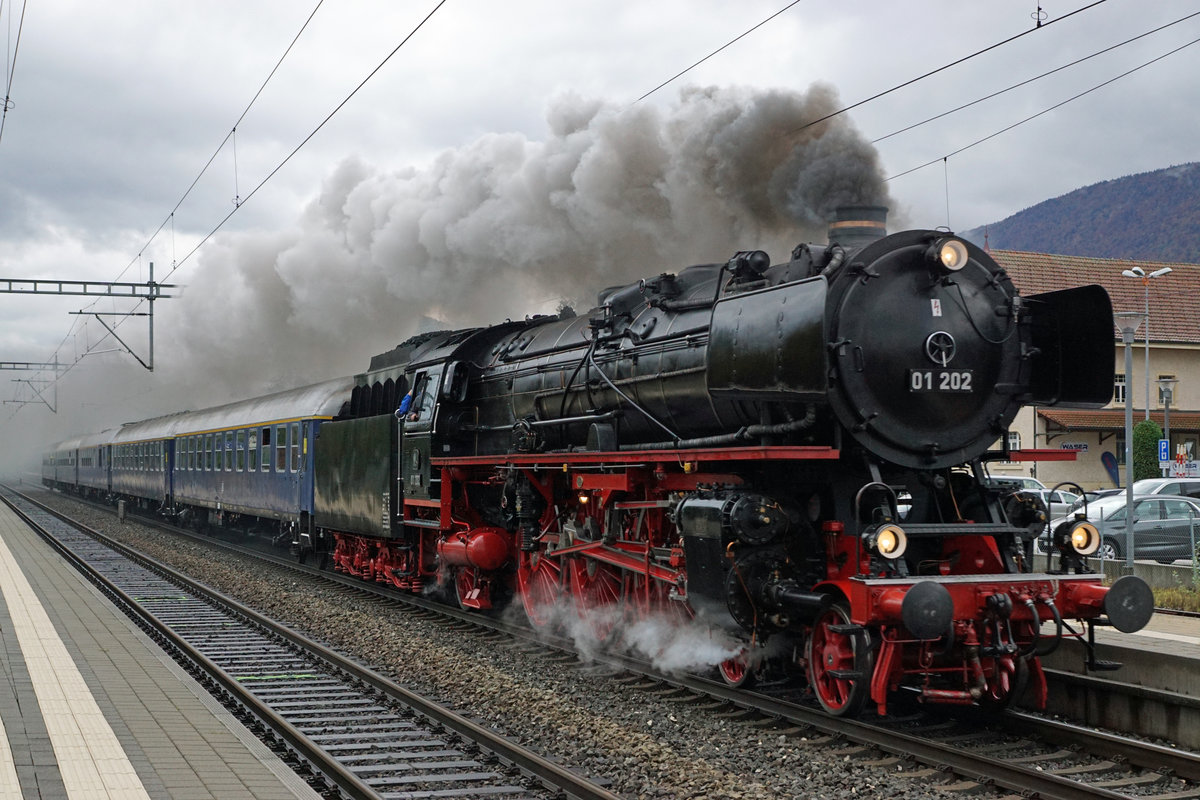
(1148,216)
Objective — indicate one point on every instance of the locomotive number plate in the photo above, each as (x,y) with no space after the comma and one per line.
(939,380)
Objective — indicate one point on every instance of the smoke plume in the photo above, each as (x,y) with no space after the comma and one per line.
(505,226)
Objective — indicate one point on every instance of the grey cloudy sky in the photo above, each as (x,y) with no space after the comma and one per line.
(502,161)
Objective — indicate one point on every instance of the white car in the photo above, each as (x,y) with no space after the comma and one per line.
(1014,483)
(1184,486)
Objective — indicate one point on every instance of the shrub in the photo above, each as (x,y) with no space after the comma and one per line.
(1145,449)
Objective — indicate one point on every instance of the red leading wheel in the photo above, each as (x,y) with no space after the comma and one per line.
(538,581)
(839,664)
(596,587)
(736,671)
(468,589)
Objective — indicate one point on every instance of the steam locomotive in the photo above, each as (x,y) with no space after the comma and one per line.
(790,456)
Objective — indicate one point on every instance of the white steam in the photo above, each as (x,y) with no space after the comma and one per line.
(505,226)
(670,642)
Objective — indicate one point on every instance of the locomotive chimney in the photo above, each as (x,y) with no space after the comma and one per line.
(857,226)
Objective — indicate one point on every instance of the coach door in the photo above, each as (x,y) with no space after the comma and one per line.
(416,437)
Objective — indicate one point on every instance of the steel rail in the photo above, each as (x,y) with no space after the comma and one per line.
(547,772)
(1026,780)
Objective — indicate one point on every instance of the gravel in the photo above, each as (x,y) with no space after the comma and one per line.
(643,746)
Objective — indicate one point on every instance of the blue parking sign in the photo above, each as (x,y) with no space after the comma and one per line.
(1163,447)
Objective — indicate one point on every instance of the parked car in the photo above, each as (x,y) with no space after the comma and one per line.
(1185,486)
(1014,483)
(1092,495)
(1057,501)
(1167,526)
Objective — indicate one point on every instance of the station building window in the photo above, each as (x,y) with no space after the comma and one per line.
(1119,388)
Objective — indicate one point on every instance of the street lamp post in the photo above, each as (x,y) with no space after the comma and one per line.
(1128,322)
(1167,387)
(1144,277)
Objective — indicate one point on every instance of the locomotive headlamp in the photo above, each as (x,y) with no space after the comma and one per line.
(890,541)
(949,253)
(1078,536)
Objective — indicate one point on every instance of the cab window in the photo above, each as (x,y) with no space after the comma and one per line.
(424,402)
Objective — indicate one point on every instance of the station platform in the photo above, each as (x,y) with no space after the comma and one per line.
(1164,655)
(91,708)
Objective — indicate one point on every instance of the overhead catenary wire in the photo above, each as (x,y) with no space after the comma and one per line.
(1044,111)
(1028,81)
(11,67)
(170,218)
(176,265)
(232,132)
(943,68)
(743,35)
(307,138)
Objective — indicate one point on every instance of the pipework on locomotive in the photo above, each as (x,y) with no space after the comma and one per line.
(791,456)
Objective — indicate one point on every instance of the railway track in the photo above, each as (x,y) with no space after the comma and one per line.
(1015,753)
(354,730)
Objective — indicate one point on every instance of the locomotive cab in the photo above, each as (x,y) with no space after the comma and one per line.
(417,429)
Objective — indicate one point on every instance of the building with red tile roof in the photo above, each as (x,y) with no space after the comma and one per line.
(1174,353)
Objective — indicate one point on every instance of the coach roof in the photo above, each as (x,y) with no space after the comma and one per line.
(320,401)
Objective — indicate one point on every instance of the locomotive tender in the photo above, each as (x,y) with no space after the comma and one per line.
(726,446)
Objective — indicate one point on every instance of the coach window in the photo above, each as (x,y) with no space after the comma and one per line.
(295,447)
(208,453)
(252,449)
(265,442)
(219,452)
(229,452)
(280,448)
(241,451)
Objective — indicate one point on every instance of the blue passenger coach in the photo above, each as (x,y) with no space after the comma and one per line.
(140,455)
(250,462)
(81,464)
